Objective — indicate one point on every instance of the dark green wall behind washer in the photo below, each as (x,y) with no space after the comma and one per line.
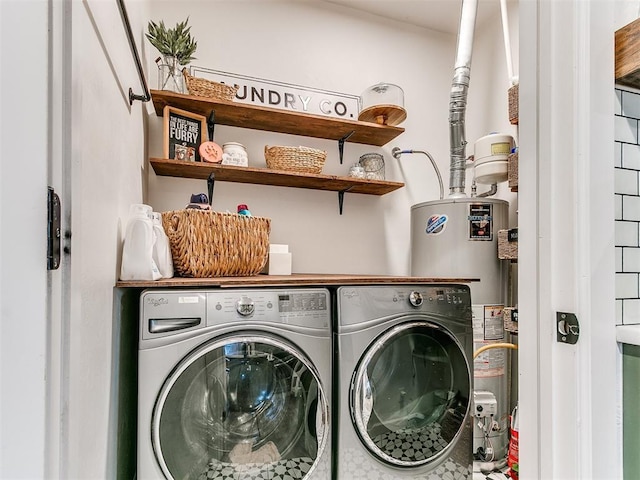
(631,410)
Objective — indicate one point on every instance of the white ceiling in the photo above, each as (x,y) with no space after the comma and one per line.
(440,15)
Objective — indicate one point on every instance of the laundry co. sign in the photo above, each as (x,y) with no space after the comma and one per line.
(284,96)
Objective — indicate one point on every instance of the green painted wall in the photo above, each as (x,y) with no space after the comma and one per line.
(631,410)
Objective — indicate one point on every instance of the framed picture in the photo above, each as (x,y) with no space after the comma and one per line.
(183,133)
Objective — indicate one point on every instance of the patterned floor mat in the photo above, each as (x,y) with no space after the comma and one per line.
(412,445)
(355,464)
(292,469)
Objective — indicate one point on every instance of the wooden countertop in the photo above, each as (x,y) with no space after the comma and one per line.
(295,279)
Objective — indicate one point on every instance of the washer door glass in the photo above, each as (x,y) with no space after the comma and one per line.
(244,406)
(411,393)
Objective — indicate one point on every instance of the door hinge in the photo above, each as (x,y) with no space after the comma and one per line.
(53,230)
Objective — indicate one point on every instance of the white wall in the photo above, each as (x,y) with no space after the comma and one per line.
(488,108)
(626,11)
(335,48)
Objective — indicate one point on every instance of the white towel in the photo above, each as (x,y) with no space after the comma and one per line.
(242,454)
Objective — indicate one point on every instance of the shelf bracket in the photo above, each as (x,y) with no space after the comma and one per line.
(211,123)
(341,198)
(341,144)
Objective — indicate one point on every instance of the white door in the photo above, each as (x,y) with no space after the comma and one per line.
(30,300)
(568,393)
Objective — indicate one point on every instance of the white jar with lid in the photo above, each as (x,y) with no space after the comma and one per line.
(234,153)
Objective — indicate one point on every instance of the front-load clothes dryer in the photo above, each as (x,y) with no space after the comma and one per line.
(404,382)
(234,384)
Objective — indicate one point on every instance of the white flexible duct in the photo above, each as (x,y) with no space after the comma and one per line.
(458,98)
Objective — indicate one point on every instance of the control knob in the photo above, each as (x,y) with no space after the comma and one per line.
(415,299)
(245,306)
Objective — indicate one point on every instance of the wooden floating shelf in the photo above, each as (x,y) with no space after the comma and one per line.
(264,176)
(296,279)
(275,120)
(627,55)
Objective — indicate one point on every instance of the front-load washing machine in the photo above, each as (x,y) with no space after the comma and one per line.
(404,382)
(234,384)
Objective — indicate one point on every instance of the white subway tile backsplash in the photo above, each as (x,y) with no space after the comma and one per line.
(626,181)
(626,234)
(618,259)
(626,130)
(630,260)
(630,156)
(631,309)
(618,207)
(619,316)
(630,104)
(626,285)
(627,206)
(617,154)
(630,208)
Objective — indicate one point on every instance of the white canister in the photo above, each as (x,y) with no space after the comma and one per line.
(234,153)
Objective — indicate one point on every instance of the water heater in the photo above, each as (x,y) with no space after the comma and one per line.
(458,238)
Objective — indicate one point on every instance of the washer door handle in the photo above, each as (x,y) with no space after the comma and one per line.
(164,325)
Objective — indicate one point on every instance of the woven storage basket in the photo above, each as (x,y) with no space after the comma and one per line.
(514,95)
(512,171)
(295,159)
(212,244)
(511,319)
(206,88)
(507,250)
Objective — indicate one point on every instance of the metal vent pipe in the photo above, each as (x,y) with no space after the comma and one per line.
(458,98)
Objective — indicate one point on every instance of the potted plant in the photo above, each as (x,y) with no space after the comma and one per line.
(177,46)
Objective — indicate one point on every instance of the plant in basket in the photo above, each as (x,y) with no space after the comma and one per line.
(177,46)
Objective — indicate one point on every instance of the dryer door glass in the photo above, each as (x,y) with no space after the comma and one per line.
(411,394)
(241,407)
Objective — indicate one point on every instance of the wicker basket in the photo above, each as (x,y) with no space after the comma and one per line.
(508,244)
(208,244)
(512,171)
(514,98)
(295,159)
(207,88)
(511,319)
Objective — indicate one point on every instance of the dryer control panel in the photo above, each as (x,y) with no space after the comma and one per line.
(367,303)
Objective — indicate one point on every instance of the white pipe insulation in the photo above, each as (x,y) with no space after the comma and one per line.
(458,98)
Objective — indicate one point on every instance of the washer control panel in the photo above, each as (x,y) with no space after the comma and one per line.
(303,307)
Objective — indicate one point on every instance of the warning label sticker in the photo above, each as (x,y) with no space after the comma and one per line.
(488,327)
(480,222)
